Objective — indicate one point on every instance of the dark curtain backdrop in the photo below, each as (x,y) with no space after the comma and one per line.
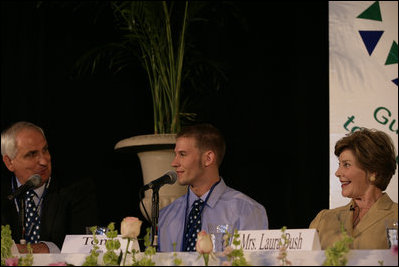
(273,107)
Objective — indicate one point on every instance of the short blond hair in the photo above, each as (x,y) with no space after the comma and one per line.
(207,137)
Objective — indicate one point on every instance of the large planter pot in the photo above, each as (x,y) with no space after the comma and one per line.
(156,153)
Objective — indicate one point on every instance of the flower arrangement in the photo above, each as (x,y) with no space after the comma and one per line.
(130,229)
(336,254)
(91,260)
(204,246)
(110,257)
(234,255)
(6,243)
(394,249)
(283,243)
(176,260)
(7,257)
(146,259)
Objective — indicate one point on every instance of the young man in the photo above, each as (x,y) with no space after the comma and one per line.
(199,153)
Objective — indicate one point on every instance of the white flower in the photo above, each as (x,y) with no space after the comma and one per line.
(204,243)
(130,227)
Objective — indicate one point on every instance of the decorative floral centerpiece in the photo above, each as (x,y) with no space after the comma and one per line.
(110,257)
(394,249)
(7,258)
(6,243)
(176,260)
(204,246)
(283,243)
(146,259)
(336,254)
(91,260)
(130,229)
(235,253)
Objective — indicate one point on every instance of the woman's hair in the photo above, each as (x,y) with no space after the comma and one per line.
(207,137)
(375,152)
(8,137)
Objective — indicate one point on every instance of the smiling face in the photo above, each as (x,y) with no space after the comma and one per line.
(188,161)
(33,156)
(354,180)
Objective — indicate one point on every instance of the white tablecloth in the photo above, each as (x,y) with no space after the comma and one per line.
(305,258)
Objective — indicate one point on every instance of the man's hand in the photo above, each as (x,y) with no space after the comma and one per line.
(36,248)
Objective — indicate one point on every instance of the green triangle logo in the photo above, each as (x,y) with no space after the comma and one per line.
(393,54)
(373,12)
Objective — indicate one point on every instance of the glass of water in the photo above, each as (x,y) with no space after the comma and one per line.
(219,234)
(392,232)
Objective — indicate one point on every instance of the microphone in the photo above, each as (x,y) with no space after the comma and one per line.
(33,182)
(168,178)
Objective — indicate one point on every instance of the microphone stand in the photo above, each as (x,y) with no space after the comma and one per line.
(155,215)
(22,219)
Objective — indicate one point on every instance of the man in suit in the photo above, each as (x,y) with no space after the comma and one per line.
(60,210)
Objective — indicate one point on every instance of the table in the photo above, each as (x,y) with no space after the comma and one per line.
(304,258)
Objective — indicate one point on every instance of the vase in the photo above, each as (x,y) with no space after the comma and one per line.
(156,153)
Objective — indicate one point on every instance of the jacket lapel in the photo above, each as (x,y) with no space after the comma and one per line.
(50,203)
(377,212)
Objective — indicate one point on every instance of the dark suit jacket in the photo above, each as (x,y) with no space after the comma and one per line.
(65,210)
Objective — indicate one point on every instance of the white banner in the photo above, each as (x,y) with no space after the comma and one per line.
(363,40)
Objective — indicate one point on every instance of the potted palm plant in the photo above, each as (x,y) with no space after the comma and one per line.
(148,28)
(155,33)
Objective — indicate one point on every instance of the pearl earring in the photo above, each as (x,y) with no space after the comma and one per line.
(372,178)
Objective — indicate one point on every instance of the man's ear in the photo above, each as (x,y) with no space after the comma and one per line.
(8,162)
(209,158)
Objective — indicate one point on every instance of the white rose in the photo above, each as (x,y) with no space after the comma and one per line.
(130,227)
(204,243)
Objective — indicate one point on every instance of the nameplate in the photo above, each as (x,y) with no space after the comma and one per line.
(84,244)
(268,240)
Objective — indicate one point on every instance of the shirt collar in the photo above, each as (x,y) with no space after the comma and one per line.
(217,193)
(213,198)
(193,197)
(39,191)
